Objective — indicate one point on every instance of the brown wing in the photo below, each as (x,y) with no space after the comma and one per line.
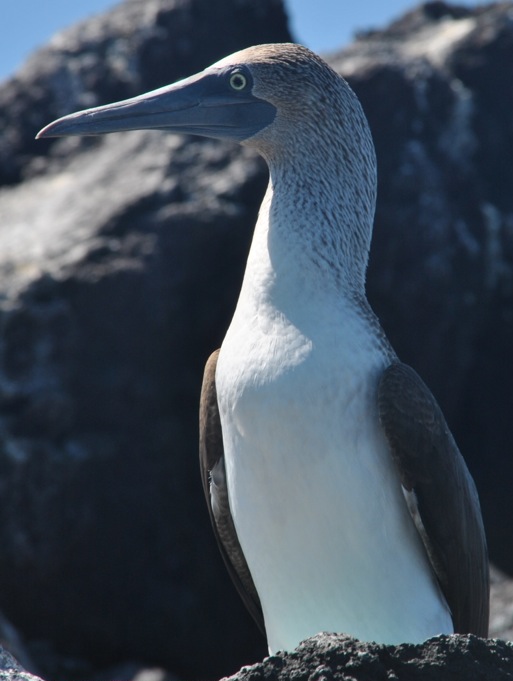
(216,492)
(431,466)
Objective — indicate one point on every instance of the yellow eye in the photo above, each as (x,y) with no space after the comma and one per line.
(238,81)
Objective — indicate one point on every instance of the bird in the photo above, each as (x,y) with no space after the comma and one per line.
(338,496)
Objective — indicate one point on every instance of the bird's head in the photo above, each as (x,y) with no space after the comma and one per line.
(262,96)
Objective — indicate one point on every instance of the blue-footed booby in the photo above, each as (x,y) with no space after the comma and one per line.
(336,491)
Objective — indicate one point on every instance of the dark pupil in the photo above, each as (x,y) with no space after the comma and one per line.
(238,82)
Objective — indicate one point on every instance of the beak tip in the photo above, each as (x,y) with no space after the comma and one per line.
(47,131)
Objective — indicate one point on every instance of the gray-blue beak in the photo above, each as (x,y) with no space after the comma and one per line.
(215,103)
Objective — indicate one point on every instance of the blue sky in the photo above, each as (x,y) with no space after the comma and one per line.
(322,25)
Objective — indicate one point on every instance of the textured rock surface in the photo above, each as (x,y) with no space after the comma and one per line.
(132,48)
(11,670)
(328,656)
(120,261)
(106,546)
(501,606)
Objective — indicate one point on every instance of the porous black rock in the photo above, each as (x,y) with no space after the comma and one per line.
(334,657)
(11,669)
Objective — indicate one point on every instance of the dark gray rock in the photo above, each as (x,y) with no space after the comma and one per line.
(501,605)
(11,670)
(11,641)
(120,262)
(102,513)
(134,47)
(332,657)
(107,249)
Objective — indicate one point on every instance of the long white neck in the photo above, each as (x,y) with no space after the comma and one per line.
(309,245)
(318,211)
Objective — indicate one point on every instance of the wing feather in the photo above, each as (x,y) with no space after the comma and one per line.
(438,482)
(213,476)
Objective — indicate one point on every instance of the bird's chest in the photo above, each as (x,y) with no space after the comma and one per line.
(298,411)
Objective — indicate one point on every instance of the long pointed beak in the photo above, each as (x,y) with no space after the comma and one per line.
(200,105)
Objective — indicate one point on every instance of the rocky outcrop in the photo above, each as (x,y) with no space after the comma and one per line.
(501,605)
(120,263)
(136,46)
(11,670)
(107,550)
(339,658)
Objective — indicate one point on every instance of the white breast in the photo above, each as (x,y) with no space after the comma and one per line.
(313,491)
